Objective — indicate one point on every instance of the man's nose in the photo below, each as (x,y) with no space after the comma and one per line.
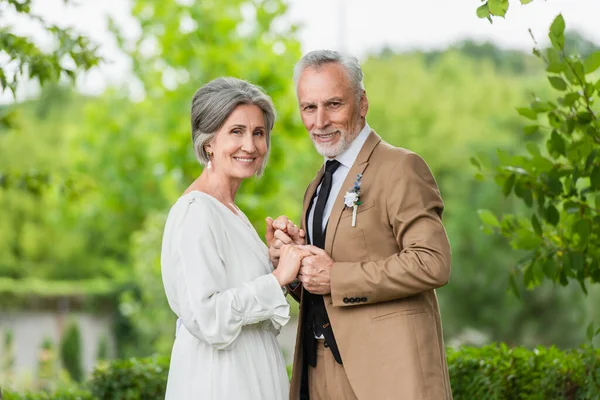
(322,118)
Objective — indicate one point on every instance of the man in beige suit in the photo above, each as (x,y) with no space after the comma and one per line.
(370,327)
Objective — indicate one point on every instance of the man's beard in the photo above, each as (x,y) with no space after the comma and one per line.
(333,150)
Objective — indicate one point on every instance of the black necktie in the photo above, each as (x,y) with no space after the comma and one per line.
(318,235)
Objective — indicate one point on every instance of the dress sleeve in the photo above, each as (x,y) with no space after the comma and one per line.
(209,311)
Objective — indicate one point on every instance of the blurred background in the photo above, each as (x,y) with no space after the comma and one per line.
(88,171)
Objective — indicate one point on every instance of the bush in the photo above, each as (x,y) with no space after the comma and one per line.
(497,372)
(494,372)
(70,394)
(132,379)
(70,352)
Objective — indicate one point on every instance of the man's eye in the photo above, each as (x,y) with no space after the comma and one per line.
(335,104)
(309,108)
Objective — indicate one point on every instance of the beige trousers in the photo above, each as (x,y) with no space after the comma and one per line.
(328,381)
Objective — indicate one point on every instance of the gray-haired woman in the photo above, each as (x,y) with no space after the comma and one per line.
(216,270)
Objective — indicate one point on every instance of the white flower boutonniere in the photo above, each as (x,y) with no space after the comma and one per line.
(352,198)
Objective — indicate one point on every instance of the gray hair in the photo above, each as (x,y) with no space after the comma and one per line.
(318,58)
(214,102)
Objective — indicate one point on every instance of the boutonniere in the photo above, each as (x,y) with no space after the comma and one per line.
(352,198)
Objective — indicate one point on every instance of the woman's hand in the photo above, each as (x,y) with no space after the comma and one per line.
(289,263)
(279,232)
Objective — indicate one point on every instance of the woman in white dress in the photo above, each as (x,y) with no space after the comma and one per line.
(216,270)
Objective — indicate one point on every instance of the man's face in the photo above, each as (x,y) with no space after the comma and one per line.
(330,108)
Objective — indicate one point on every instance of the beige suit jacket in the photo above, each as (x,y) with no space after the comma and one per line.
(383,308)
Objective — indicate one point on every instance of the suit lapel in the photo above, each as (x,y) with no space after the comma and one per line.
(310,193)
(360,164)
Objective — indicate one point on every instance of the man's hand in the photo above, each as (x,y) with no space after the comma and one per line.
(279,232)
(315,272)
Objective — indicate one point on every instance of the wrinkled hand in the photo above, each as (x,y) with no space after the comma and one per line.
(289,264)
(315,272)
(279,232)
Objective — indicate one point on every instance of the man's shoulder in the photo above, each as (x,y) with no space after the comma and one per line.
(386,153)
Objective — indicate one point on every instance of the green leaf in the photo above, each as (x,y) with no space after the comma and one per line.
(558,42)
(556,145)
(498,7)
(552,216)
(550,268)
(483,11)
(590,159)
(512,285)
(558,26)
(595,178)
(570,99)
(531,129)
(475,162)
(537,227)
(488,218)
(527,113)
(577,260)
(526,1)
(592,62)
(555,67)
(590,331)
(558,83)
(541,106)
(508,184)
(583,228)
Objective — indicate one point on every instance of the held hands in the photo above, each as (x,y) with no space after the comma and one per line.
(315,273)
(291,257)
(281,231)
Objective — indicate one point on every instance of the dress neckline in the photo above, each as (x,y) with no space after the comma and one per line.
(239,214)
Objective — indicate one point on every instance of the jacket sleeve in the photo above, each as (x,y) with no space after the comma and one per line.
(414,209)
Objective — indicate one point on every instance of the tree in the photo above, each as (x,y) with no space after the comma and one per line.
(70,352)
(72,53)
(559,182)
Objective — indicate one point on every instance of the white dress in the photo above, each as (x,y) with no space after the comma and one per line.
(217,277)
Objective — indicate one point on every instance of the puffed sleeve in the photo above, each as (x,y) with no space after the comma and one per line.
(209,311)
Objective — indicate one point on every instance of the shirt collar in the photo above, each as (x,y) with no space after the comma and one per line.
(348,157)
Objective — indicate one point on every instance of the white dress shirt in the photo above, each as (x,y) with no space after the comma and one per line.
(346,159)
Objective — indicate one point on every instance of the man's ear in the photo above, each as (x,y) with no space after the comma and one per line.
(364,104)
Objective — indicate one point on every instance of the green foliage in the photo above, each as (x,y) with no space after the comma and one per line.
(494,372)
(7,361)
(102,350)
(62,394)
(478,119)
(47,370)
(132,379)
(497,372)
(495,8)
(70,352)
(23,59)
(559,182)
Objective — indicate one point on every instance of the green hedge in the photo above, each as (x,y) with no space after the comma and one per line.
(70,394)
(494,372)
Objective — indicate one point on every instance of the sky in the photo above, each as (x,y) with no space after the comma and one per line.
(355,26)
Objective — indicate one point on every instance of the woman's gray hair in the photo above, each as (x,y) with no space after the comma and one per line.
(316,59)
(214,102)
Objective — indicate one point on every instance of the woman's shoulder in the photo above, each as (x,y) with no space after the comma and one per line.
(194,203)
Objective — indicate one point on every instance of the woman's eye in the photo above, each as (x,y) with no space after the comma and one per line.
(259,133)
(236,131)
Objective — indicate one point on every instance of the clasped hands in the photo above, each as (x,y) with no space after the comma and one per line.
(293,259)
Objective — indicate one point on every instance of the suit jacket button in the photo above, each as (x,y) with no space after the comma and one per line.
(352,299)
(346,300)
(363,299)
